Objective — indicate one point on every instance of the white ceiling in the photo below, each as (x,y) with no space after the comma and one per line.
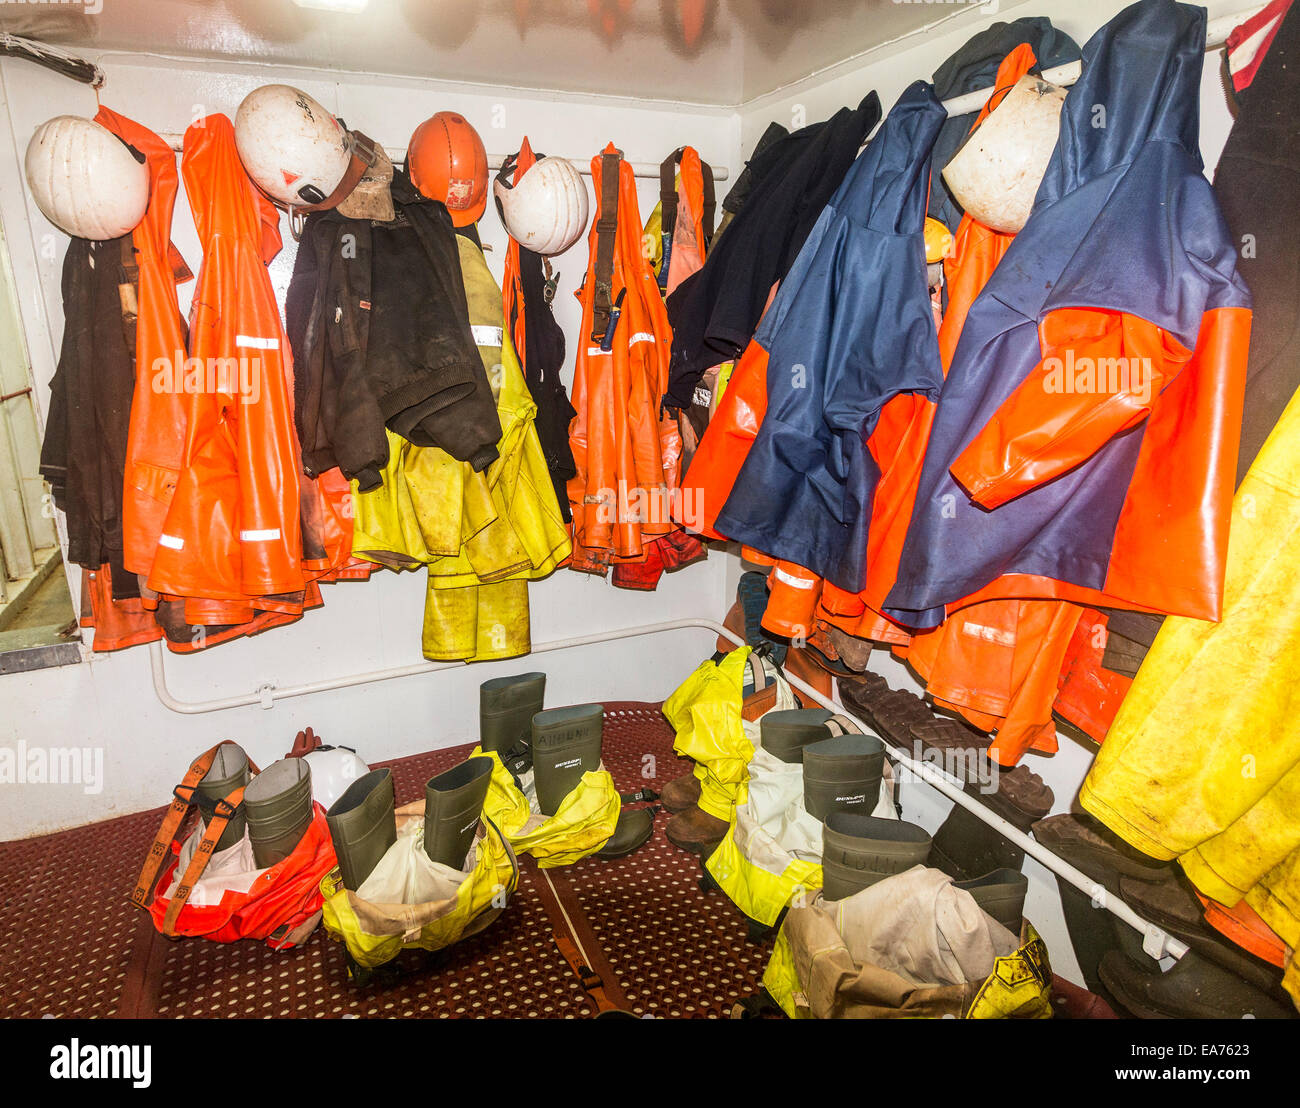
(742,49)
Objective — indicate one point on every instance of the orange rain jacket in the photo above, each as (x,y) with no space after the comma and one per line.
(232,531)
(627,456)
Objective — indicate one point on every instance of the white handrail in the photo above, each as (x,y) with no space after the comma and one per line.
(1155,940)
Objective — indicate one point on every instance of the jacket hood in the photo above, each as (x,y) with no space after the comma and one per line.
(1141,83)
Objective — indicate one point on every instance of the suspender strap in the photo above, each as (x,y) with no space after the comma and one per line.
(606,233)
(182,802)
(225,811)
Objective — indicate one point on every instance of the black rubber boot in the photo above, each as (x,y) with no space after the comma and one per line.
(279,809)
(363,826)
(566,744)
(859,850)
(453,804)
(228,772)
(784,734)
(966,847)
(842,774)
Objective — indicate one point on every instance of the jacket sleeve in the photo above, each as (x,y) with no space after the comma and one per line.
(1100,374)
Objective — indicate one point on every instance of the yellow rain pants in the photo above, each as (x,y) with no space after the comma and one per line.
(581,825)
(1202,762)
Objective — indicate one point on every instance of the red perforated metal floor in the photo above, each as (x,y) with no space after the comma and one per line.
(74,946)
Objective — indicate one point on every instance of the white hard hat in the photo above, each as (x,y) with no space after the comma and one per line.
(333,769)
(85,179)
(546,212)
(295,151)
(996,173)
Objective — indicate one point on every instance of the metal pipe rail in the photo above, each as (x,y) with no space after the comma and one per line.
(1155,941)
(1216,35)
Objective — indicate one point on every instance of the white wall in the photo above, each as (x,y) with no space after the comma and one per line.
(889,71)
(108,702)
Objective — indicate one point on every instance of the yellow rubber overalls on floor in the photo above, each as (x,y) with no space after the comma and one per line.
(1202,762)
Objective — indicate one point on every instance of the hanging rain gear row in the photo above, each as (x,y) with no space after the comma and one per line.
(1256,180)
(165,389)
(1121,481)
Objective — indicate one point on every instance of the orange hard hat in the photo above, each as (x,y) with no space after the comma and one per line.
(447,162)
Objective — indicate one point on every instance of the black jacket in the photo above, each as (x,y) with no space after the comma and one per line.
(83,455)
(715,310)
(379,325)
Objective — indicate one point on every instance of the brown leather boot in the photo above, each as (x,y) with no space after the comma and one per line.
(681,793)
(696,831)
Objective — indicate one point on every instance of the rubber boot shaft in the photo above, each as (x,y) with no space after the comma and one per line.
(279,809)
(842,774)
(228,772)
(453,804)
(784,734)
(859,850)
(363,825)
(1001,894)
(566,744)
(966,847)
(506,709)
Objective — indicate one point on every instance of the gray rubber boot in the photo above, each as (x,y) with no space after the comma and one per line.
(279,809)
(859,850)
(1001,894)
(784,734)
(842,774)
(363,825)
(566,744)
(453,803)
(228,772)
(506,706)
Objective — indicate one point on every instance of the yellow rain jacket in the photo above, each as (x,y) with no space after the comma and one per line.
(457,904)
(705,713)
(483,536)
(1202,762)
(581,825)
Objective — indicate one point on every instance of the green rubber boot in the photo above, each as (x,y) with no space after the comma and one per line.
(842,774)
(228,772)
(566,744)
(1001,894)
(633,831)
(279,809)
(859,850)
(363,825)
(506,709)
(784,734)
(453,803)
